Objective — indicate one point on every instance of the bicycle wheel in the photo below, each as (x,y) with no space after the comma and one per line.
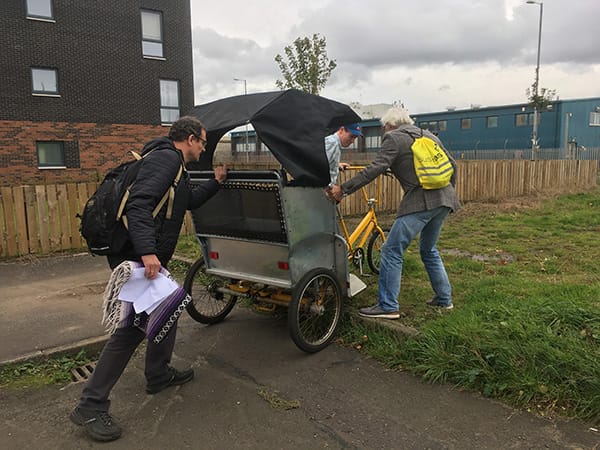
(374,248)
(207,305)
(315,310)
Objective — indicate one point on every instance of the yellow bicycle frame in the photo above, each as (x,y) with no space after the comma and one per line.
(360,235)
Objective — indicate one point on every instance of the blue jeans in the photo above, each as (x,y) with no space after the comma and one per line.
(405,229)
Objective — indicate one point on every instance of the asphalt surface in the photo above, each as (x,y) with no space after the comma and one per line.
(254,389)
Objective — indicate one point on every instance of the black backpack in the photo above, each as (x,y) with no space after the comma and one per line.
(103,224)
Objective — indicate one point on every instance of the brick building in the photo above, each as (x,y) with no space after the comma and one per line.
(84,82)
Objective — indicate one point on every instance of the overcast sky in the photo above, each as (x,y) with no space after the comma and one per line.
(427,54)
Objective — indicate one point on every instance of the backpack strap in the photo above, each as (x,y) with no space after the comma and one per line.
(168,196)
(412,135)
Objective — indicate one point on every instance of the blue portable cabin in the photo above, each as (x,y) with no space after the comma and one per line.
(566,125)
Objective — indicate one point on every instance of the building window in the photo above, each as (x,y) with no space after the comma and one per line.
(492,122)
(465,124)
(521,120)
(442,125)
(241,146)
(372,141)
(152,38)
(51,154)
(433,127)
(595,119)
(169,101)
(39,9)
(44,81)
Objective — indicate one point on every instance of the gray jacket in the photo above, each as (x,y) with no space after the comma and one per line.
(396,155)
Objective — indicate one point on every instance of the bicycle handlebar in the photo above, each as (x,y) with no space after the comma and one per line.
(387,173)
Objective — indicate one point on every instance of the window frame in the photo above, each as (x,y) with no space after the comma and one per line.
(594,119)
(62,149)
(491,122)
(45,93)
(465,123)
(521,120)
(151,40)
(168,108)
(33,16)
(372,140)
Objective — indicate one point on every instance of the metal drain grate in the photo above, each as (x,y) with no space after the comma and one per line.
(80,374)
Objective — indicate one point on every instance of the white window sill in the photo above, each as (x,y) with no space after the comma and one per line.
(41,19)
(39,94)
(156,58)
(52,167)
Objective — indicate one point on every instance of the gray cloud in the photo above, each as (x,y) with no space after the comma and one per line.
(383,39)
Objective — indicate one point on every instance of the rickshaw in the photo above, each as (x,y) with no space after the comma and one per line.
(271,236)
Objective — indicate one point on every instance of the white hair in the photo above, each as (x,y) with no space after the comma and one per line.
(394,117)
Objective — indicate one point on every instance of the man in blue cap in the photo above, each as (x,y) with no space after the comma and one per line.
(343,137)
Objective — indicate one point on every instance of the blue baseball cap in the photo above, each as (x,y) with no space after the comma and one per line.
(355,129)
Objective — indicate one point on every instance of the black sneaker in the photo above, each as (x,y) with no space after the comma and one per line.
(177,378)
(98,424)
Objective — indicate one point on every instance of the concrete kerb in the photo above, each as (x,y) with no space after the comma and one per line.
(90,345)
(395,326)
(95,344)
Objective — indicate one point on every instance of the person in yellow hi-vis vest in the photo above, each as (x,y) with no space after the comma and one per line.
(421,211)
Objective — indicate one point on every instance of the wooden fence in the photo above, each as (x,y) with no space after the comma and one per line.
(42,219)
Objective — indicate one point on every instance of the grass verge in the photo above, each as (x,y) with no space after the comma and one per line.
(526,323)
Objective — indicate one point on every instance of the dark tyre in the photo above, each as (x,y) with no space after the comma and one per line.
(374,249)
(207,305)
(315,310)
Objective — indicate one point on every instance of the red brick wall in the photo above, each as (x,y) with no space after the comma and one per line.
(100,146)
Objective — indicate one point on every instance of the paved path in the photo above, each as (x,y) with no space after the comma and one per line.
(52,302)
(248,371)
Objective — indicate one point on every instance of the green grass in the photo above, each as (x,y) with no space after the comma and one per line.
(526,323)
(33,374)
(526,326)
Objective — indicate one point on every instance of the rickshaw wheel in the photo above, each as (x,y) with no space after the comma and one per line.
(207,305)
(374,249)
(315,310)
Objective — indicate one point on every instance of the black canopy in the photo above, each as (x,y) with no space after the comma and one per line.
(291,123)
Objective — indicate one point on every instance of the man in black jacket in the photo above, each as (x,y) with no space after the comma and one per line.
(152,241)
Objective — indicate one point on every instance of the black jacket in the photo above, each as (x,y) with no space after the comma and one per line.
(159,235)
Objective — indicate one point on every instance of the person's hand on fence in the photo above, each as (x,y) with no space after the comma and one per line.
(343,166)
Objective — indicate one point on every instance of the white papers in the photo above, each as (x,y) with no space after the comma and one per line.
(146,294)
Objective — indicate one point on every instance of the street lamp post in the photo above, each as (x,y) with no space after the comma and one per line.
(567,120)
(534,140)
(245,137)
